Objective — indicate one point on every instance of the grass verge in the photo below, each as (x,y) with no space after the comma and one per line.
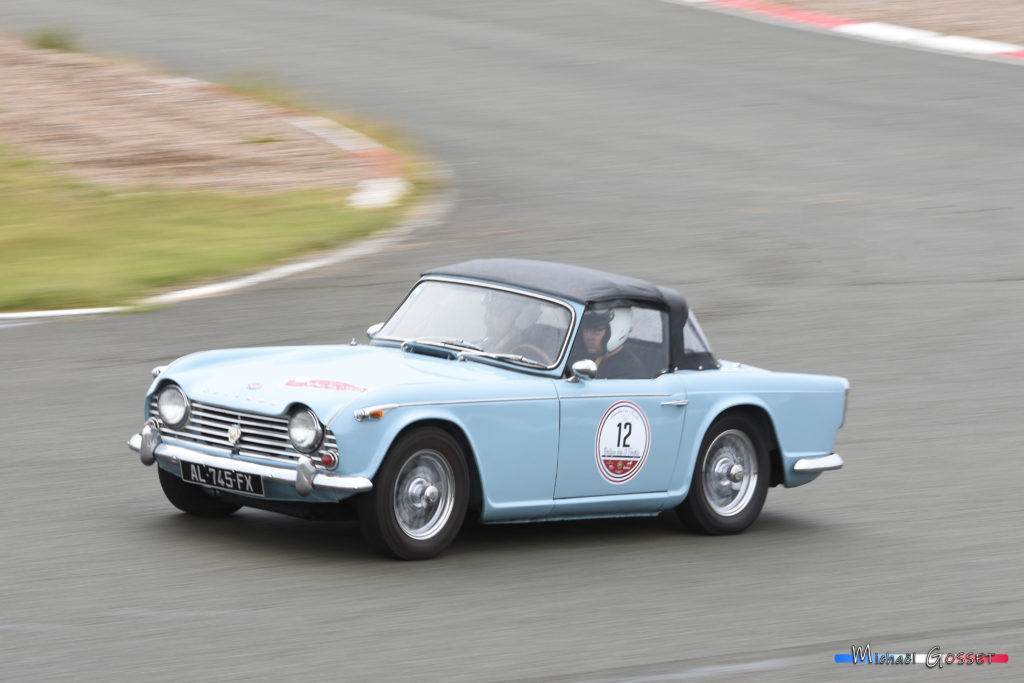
(54,39)
(66,243)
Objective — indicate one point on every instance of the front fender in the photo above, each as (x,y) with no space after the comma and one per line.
(513,443)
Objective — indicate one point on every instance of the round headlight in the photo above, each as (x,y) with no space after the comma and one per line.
(305,430)
(172,405)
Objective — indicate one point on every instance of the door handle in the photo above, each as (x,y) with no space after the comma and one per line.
(681,402)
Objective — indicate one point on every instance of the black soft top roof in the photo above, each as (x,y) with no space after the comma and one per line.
(576,283)
(585,286)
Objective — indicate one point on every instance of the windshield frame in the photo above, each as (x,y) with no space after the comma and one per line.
(556,363)
(700,356)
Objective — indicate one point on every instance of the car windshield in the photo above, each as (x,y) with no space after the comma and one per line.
(482,320)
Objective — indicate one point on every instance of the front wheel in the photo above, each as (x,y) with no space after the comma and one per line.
(730,480)
(419,496)
(193,499)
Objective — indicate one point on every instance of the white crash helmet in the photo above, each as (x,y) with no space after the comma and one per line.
(619,327)
(618,322)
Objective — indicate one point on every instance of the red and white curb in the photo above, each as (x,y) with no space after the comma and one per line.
(868,30)
(384,190)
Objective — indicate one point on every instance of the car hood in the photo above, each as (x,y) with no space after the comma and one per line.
(325,378)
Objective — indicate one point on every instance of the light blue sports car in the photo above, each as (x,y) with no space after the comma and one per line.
(508,389)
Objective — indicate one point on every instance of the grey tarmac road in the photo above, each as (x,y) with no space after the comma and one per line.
(827,205)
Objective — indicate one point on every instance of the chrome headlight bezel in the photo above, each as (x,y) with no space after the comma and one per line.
(163,407)
(313,427)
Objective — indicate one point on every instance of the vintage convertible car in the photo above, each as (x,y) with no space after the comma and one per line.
(508,389)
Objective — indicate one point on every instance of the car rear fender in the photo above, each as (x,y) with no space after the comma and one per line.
(699,419)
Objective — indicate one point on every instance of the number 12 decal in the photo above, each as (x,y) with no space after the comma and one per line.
(623,441)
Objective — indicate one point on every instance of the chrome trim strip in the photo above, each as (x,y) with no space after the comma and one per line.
(317,480)
(820,464)
(615,395)
(205,410)
(474,400)
(272,458)
(209,427)
(223,442)
(255,442)
(682,402)
(246,448)
(364,413)
(505,288)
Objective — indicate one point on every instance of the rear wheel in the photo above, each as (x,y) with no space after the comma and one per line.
(730,479)
(193,499)
(419,496)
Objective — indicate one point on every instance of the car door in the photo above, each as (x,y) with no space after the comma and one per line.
(620,434)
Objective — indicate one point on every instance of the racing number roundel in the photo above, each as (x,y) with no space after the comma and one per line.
(623,440)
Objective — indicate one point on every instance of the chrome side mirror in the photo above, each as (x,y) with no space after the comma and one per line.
(583,369)
(372,330)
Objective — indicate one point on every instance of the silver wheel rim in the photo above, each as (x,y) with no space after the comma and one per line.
(424,494)
(730,472)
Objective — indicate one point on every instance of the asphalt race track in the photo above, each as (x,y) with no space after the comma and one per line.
(827,205)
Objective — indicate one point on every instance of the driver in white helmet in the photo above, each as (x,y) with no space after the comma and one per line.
(603,333)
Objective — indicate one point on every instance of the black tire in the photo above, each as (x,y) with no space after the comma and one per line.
(718,504)
(419,496)
(193,499)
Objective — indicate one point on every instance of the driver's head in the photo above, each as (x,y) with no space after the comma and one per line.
(595,327)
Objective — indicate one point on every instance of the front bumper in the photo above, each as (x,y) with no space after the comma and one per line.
(305,478)
(820,464)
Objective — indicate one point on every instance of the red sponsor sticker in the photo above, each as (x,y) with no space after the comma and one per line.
(329,384)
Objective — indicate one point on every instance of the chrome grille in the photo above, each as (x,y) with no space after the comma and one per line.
(263,436)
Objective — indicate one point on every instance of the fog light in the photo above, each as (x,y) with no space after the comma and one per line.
(329,459)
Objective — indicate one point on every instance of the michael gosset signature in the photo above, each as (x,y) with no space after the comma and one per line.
(935,658)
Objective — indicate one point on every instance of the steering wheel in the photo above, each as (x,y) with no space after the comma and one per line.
(531,351)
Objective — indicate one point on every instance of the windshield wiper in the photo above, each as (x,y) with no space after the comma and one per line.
(447,345)
(510,357)
(447,342)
